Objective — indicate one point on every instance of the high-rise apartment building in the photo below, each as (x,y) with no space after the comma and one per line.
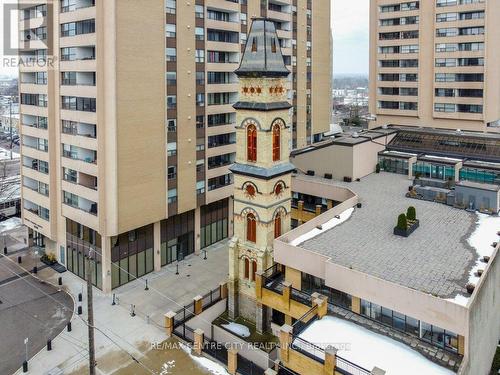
(435,63)
(127,124)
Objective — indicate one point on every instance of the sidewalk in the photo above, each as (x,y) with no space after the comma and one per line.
(167,291)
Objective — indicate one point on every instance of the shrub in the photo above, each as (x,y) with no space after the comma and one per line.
(377,168)
(411,213)
(402,222)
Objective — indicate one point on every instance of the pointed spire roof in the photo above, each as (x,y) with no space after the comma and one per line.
(262,56)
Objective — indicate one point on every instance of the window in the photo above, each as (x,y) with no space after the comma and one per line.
(277,226)
(172,125)
(199,33)
(199,56)
(171,54)
(251,228)
(254,270)
(200,187)
(171,148)
(170,30)
(78,28)
(172,196)
(172,172)
(278,189)
(247,268)
(276,142)
(250,190)
(171,101)
(199,11)
(251,143)
(170,6)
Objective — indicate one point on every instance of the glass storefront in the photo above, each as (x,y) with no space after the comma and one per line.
(311,284)
(131,255)
(393,165)
(431,170)
(177,237)
(214,222)
(427,332)
(83,250)
(479,175)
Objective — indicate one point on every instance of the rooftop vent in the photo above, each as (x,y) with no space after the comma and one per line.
(355,135)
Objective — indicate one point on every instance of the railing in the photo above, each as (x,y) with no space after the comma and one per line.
(215,350)
(272,277)
(211,298)
(183,315)
(247,367)
(301,297)
(308,349)
(348,368)
(184,332)
(304,321)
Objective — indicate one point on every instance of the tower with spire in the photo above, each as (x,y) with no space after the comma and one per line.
(262,171)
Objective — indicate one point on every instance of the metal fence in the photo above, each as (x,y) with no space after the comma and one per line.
(185,333)
(215,350)
(301,297)
(211,298)
(304,321)
(247,367)
(308,349)
(184,314)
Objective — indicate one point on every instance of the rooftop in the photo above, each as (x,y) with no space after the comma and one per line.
(435,259)
(262,56)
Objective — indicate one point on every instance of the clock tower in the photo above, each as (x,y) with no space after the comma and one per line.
(262,171)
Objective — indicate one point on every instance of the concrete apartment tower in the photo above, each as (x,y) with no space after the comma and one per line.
(435,63)
(262,172)
(128,126)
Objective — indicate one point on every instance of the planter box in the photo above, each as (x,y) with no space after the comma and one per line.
(411,228)
(48,262)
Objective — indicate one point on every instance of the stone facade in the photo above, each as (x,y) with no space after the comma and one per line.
(261,183)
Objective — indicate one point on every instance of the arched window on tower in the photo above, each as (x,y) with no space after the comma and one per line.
(247,268)
(254,270)
(277,226)
(251,228)
(276,142)
(251,143)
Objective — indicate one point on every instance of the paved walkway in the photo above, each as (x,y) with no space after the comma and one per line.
(117,331)
(29,308)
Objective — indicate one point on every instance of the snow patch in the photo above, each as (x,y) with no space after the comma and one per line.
(367,349)
(167,366)
(211,366)
(10,224)
(5,154)
(324,227)
(238,329)
(481,239)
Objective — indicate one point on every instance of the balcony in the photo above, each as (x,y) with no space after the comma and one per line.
(81,154)
(272,290)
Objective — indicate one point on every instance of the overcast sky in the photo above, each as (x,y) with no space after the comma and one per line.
(350,36)
(350,24)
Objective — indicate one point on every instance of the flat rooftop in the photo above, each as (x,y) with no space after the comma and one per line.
(435,259)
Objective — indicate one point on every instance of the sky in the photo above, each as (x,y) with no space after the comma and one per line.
(350,23)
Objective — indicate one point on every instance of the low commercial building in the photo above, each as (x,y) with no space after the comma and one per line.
(416,290)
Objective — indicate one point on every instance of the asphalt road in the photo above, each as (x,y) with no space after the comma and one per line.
(28,309)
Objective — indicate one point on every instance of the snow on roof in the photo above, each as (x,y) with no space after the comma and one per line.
(10,224)
(10,188)
(324,227)
(481,240)
(5,154)
(367,349)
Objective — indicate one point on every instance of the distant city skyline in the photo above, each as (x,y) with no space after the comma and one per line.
(350,25)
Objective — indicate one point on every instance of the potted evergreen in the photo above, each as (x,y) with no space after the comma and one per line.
(407,223)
